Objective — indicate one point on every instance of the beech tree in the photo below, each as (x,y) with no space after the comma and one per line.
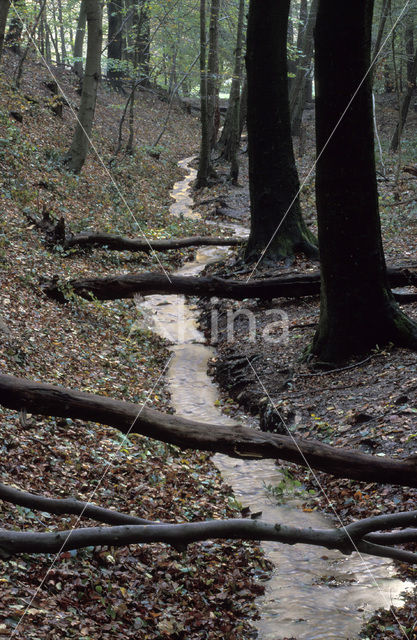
(77,66)
(229,139)
(115,42)
(358,310)
(277,227)
(78,151)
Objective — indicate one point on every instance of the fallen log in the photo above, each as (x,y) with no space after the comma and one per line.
(126,286)
(181,535)
(57,234)
(121,243)
(235,440)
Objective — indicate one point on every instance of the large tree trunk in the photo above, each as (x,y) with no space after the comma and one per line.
(277,227)
(77,67)
(80,143)
(4,10)
(126,286)
(358,311)
(234,440)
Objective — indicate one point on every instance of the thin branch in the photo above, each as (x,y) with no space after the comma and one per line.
(67,506)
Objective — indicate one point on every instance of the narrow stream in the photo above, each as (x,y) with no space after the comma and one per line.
(313,593)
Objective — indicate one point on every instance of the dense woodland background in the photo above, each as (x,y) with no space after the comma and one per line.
(99,101)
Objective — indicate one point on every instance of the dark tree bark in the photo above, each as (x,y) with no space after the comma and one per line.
(277,227)
(358,310)
(77,66)
(115,43)
(80,143)
(229,140)
(213,111)
(205,151)
(298,93)
(126,286)
(234,440)
(4,11)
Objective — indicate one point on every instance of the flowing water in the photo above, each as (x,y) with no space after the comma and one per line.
(313,593)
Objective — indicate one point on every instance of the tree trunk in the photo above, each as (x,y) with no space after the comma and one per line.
(277,228)
(143,43)
(115,43)
(243,106)
(230,137)
(299,87)
(381,27)
(62,33)
(79,147)
(4,10)
(358,311)
(409,47)
(213,111)
(29,44)
(48,55)
(405,105)
(205,151)
(77,67)
(14,33)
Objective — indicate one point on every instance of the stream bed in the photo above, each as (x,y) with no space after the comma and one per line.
(313,593)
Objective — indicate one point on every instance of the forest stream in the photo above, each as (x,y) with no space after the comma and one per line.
(313,593)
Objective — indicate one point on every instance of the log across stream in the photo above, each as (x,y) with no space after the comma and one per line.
(313,593)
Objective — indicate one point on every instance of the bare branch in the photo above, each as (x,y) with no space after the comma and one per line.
(67,506)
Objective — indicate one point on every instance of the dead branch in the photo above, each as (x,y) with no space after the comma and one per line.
(56,233)
(236,440)
(67,506)
(181,535)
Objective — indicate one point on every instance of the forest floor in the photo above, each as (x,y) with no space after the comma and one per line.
(370,406)
(151,591)
(146,591)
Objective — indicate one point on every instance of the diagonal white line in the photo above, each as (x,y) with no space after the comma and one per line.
(329,502)
(93,146)
(329,139)
(91,496)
